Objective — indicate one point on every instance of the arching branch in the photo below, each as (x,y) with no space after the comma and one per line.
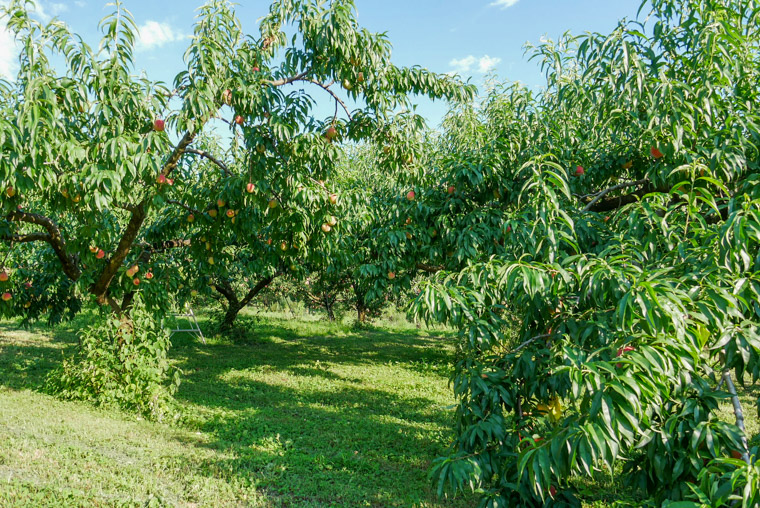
(204,154)
(53,237)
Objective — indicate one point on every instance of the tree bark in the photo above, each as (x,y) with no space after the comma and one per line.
(361,308)
(329,308)
(234,304)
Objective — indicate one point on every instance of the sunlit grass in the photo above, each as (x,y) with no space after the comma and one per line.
(283,413)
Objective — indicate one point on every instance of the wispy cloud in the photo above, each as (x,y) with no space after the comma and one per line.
(471,64)
(503,4)
(153,34)
(486,63)
(462,65)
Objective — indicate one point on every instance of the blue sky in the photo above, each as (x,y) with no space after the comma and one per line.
(472,37)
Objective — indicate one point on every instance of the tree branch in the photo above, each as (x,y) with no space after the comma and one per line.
(530,341)
(26,238)
(603,193)
(326,88)
(53,237)
(429,268)
(100,287)
(286,81)
(210,157)
(620,201)
(257,289)
(224,288)
(183,205)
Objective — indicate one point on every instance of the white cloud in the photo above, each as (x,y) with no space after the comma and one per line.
(487,63)
(153,34)
(503,4)
(80,3)
(463,64)
(471,64)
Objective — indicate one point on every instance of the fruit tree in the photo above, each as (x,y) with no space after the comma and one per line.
(621,307)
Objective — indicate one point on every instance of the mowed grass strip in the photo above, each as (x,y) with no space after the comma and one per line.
(279,413)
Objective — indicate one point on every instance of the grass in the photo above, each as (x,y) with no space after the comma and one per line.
(281,412)
(288,413)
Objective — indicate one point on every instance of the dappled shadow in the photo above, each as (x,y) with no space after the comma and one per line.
(25,360)
(285,420)
(290,407)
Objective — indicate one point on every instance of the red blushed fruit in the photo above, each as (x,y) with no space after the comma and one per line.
(410,195)
(621,352)
(331,133)
(239,120)
(552,491)
(230,213)
(509,229)
(4,276)
(161,179)
(101,254)
(158,125)
(136,282)
(250,188)
(451,189)
(735,454)
(255,69)
(656,153)
(170,181)
(149,275)
(7,297)
(579,171)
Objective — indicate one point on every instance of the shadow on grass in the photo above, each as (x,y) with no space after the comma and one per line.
(290,424)
(294,409)
(26,358)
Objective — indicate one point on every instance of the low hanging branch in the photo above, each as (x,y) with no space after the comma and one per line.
(429,268)
(53,237)
(604,192)
(26,238)
(620,201)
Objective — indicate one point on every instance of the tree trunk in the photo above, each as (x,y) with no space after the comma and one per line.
(230,316)
(361,312)
(361,309)
(234,304)
(330,313)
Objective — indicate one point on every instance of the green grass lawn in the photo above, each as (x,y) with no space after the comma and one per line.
(288,413)
(282,412)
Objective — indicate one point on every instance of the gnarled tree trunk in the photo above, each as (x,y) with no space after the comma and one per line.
(234,304)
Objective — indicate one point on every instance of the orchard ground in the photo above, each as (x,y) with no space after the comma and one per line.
(280,412)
